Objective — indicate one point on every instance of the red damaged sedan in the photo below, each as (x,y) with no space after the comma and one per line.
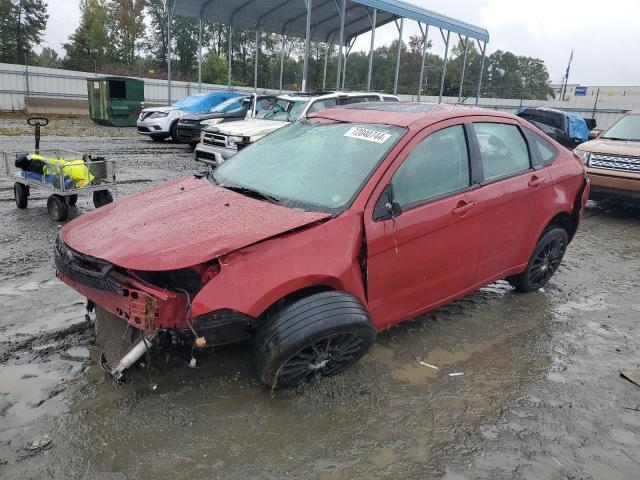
(325,232)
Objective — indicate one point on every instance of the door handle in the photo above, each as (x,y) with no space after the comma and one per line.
(535,181)
(463,207)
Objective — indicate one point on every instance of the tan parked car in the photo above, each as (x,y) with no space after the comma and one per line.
(613,161)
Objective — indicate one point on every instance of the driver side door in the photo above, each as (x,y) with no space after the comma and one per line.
(426,254)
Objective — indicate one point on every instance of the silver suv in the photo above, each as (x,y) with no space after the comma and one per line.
(217,143)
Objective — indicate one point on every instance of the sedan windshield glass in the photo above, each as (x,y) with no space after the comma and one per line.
(229,105)
(283,109)
(627,128)
(309,165)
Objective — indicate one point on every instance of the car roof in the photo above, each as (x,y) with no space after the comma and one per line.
(403,114)
(545,109)
(323,94)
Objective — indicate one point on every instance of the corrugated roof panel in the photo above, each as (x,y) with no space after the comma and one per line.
(289,16)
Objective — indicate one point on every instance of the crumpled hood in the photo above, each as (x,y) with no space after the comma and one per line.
(611,147)
(179,224)
(249,128)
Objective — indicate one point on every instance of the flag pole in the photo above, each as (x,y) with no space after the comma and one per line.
(566,77)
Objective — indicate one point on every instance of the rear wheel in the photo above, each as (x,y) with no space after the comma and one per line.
(316,336)
(21,195)
(101,198)
(544,261)
(174,132)
(57,208)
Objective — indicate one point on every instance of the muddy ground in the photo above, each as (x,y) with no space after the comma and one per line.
(540,396)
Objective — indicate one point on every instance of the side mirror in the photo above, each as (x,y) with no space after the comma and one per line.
(386,208)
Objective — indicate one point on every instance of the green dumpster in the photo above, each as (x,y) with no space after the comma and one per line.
(115,101)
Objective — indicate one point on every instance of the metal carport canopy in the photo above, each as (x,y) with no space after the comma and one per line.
(337,22)
(288,17)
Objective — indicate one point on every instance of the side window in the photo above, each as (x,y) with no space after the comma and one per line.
(321,105)
(438,165)
(547,153)
(503,150)
(262,104)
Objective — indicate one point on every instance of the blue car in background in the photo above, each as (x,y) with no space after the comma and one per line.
(160,123)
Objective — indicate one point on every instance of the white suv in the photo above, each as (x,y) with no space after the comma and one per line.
(217,143)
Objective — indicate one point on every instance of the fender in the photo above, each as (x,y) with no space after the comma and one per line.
(253,278)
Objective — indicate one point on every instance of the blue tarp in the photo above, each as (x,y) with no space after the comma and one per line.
(578,129)
(203,102)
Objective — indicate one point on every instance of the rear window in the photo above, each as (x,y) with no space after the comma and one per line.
(546,152)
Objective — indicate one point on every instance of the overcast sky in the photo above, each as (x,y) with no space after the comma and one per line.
(603,34)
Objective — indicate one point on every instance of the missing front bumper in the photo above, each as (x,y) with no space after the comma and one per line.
(120,344)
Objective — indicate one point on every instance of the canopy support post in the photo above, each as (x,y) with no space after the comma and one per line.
(464,66)
(255,65)
(307,39)
(348,51)
(482,48)
(284,40)
(400,29)
(444,62)
(169,9)
(425,43)
(200,56)
(230,55)
(373,19)
(342,10)
(324,73)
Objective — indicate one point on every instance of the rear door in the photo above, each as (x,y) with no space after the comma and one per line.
(515,195)
(426,254)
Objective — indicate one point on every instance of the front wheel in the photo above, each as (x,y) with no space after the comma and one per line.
(316,336)
(101,198)
(58,208)
(21,195)
(544,261)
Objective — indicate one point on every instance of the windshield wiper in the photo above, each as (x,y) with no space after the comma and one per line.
(250,192)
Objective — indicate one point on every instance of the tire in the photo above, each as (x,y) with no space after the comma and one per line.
(102,198)
(57,208)
(21,195)
(72,200)
(544,261)
(158,138)
(316,336)
(174,131)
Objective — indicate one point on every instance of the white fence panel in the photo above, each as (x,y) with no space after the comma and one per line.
(18,81)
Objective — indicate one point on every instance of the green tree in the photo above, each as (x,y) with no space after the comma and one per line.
(48,58)
(214,68)
(156,39)
(22,23)
(90,44)
(127,28)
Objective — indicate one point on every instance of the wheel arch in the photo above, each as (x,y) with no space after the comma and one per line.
(283,294)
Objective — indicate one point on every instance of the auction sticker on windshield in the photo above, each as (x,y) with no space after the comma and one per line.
(366,134)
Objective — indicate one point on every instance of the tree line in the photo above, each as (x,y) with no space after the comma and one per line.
(129,37)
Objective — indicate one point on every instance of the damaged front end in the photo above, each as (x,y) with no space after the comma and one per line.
(140,305)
